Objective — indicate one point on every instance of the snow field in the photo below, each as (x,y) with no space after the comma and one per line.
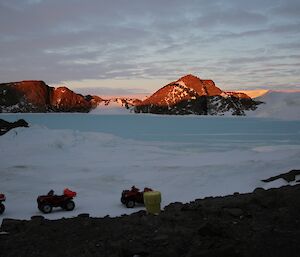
(98,166)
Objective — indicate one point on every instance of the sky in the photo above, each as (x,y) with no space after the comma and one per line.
(136,46)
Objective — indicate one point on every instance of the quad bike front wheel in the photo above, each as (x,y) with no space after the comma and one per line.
(69,206)
(130,204)
(45,208)
(2,208)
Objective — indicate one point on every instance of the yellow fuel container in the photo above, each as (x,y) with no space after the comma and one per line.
(152,200)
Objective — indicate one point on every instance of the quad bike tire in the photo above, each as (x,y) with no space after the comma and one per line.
(123,201)
(69,206)
(2,208)
(130,204)
(45,208)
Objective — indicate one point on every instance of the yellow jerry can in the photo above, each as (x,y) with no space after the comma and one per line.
(152,200)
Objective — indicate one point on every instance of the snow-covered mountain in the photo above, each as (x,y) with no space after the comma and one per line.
(192,95)
(278,104)
(115,105)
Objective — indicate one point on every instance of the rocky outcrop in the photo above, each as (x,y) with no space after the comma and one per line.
(36,96)
(192,95)
(25,96)
(263,223)
(6,126)
(63,99)
(288,176)
(94,100)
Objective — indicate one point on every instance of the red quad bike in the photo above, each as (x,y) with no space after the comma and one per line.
(2,199)
(65,201)
(133,196)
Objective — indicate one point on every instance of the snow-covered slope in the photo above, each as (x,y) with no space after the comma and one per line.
(278,104)
(111,106)
(115,105)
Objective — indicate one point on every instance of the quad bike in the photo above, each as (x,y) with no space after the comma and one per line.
(133,196)
(65,201)
(2,199)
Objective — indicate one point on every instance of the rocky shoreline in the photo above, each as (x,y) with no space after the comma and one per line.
(262,223)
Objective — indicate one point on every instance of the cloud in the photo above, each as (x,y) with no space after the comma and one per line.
(288,46)
(231,17)
(59,40)
(287,9)
(108,91)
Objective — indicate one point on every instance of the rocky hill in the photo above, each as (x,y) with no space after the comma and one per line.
(263,223)
(36,96)
(192,95)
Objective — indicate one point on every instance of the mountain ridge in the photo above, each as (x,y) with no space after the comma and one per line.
(187,95)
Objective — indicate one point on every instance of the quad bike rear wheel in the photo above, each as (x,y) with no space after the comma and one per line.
(130,204)
(45,208)
(2,208)
(69,206)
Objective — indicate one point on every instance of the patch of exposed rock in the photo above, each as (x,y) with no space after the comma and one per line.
(6,126)
(288,176)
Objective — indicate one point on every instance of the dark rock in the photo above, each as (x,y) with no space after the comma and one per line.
(223,251)
(6,126)
(83,215)
(177,206)
(37,217)
(258,190)
(235,212)
(209,229)
(9,225)
(288,176)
